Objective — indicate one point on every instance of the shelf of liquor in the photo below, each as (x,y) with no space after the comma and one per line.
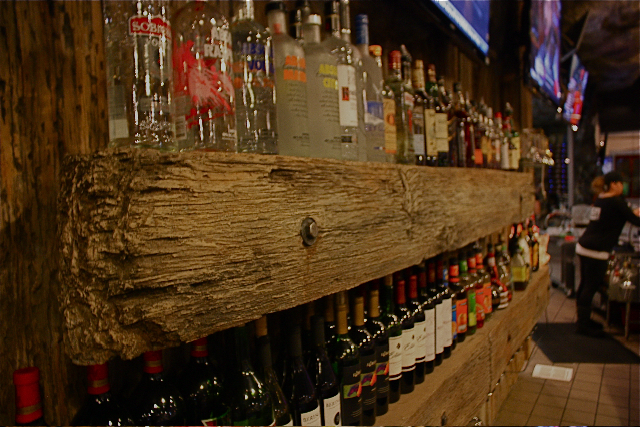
(162,248)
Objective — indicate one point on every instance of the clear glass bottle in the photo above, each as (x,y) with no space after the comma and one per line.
(438,93)
(297,18)
(139,74)
(404,106)
(322,86)
(291,85)
(373,86)
(388,111)
(457,119)
(420,113)
(254,83)
(347,81)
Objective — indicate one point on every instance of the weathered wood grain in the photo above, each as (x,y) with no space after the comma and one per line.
(162,248)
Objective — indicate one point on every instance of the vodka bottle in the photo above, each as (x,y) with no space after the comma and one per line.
(421,104)
(139,73)
(322,85)
(373,85)
(438,93)
(347,84)
(291,85)
(404,107)
(253,81)
(204,95)
(388,110)
(429,91)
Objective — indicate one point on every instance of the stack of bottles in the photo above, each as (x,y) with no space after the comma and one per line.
(199,82)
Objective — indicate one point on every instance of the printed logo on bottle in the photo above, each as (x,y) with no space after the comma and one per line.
(295,69)
(421,344)
(331,406)
(250,66)
(390,129)
(430,334)
(395,357)
(461,315)
(311,418)
(153,26)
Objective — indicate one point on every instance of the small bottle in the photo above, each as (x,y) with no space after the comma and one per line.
(254,83)
(420,112)
(429,300)
(346,365)
(100,408)
(408,336)
(469,282)
(363,339)
(291,85)
(265,372)
(404,109)
(388,111)
(322,375)
(435,290)
(204,97)
(28,401)
(394,328)
(449,316)
(156,401)
(380,335)
(420,326)
(485,282)
(459,287)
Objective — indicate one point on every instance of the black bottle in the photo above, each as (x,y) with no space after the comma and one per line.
(408,336)
(428,300)
(433,268)
(381,339)
(394,329)
(446,323)
(420,326)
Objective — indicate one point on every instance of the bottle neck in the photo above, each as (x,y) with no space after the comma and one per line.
(401,298)
(329,309)
(374,303)
(28,401)
(264,353)
(454,271)
(358,311)
(341,326)
(413,287)
(241,345)
(345,20)
(317,331)
(311,33)
(98,379)
(333,25)
(387,289)
(378,60)
(277,22)
(153,362)
(247,11)
(406,73)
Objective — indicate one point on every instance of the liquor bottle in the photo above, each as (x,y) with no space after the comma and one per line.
(394,328)
(297,17)
(435,292)
(389,111)
(503,141)
(519,268)
(484,279)
(204,96)
(499,290)
(248,397)
(458,286)
(534,247)
(503,261)
(28,401)
(373,86)
(404,109)
(406,319)
(297,385)
(449,316)
(367,347)
(477,287)
(429,300)
(420,102)
(265,372)
(139,74)
(330,327)
(514,142)
(468,283)
(100,408)
(322,375)
(494,136)
(346,365)
(380,335)
(483,144)
(470,143)
(254,83)
(348,70)
(201,389)
(291,85)
(437,94)
(457,118)
(156,401)
(322,87)
(420,327)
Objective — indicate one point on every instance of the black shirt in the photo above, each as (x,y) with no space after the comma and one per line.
(607,219)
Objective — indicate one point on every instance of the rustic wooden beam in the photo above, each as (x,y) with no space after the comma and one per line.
(159,248)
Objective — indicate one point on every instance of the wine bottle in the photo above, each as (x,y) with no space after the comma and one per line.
(380,336)
(201,388)
(484,280)
(28,402)
(281,411)
(329,322)
(248,397)
(363,339)
(478,288)
(434,266)
(468,284)
(461,295)
(297,385)
(420,327)
(307,343)
(394,328)
(156,401)
(346,365)
(428,299)
(322,375)
(100,408)
(449,316)
(408,336)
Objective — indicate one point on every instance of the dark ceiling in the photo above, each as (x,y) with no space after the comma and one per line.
(607,36)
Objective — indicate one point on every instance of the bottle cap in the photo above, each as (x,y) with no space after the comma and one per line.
(400,292)
(261,326)
(498,115)
(362,29)
(395,60)
(413,286)
(153,362)
(28,403)
(199,348)
(375,50)
(98,376)
(275,5)
(313,19)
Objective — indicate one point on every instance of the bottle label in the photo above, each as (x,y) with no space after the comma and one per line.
(118,124)
(418,130)
(471,307)
(331,407)
(461,315)
(430,132)
(480,304)
(454,321)
(382,368)
(351,394)
(430,334)
(488,308)
(374,116)
(448,338)
(390,130)
(440,324)
(291,106)
(504,156)
(347,96)
(514,159)
(311,418)
(250,66)
(442,132)
(324,112)
(408,349)
(519,273)
(369,381)
(395,357)
(421,341)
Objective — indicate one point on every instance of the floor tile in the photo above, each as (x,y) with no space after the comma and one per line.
(587,377)
(556,401)
(518,406)
(616,382)
(581,405)
(591,368)
(585,386)
(505,418)
(527,386)
(583,395)
(524,396)
(578,417)
(622,402)
(616,371)
(612,390)
(542,421)
(612,411)
(547,411)
(555,389)
(602,420)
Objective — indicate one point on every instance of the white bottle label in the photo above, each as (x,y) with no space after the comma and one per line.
(311,418)
(421,346)
(418,130)
(395,357)
(430,336)
(290,423)
(332,415)
(430,132)
(442,133)
(446,323)
(347,96)
(408,349)
(439,326)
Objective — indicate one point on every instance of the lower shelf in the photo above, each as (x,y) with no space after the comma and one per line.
(455,392)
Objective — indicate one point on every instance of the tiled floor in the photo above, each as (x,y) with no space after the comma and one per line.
(598,394)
